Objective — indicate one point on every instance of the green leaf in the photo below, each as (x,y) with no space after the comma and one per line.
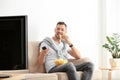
(109,40)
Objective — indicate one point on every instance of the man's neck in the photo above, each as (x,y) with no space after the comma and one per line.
(56,39)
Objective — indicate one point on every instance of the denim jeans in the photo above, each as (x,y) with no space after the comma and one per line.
(70,69)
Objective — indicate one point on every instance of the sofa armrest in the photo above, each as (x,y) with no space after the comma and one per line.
(33,63)
(79,61)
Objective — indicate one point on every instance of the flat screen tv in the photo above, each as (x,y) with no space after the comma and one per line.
(13,42)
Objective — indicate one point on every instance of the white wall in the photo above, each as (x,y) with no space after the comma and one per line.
(113,16)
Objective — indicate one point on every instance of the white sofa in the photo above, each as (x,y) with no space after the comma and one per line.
(34,66)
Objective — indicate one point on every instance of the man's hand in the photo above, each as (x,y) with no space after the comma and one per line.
(67,39)
(44,52)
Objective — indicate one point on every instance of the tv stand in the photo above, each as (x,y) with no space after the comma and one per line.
(4,76)
(13,74)
(13,77)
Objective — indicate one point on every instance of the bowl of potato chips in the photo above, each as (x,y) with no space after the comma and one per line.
(60,61)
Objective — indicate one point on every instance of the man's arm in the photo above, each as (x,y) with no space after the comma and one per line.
(41,58)
(42,55)
(74,52)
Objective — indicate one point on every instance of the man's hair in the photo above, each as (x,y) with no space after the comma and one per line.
(61,23)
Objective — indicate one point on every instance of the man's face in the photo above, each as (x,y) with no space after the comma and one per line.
(60,30)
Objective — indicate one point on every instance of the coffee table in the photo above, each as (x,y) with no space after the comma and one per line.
(109,71)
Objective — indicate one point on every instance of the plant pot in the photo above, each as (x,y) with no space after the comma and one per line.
(115,62)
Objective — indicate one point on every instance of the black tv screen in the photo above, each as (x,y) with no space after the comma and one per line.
(13,42)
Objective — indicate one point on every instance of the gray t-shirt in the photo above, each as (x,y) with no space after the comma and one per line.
(53,55)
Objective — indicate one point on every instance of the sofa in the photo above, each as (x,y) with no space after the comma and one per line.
(37,71)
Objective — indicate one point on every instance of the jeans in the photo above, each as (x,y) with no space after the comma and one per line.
(70,69)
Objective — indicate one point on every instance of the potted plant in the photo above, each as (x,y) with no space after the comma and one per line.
(113,47)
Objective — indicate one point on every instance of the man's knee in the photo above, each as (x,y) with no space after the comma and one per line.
(70,66)
(90,65)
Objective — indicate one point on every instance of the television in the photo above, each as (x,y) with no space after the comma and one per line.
(13,42)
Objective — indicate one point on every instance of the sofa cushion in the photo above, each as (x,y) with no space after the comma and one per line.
(41,76)
(80,61)
(63,75)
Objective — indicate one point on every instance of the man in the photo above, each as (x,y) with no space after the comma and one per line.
(58,47)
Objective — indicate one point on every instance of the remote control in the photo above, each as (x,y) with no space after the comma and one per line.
(44,48)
